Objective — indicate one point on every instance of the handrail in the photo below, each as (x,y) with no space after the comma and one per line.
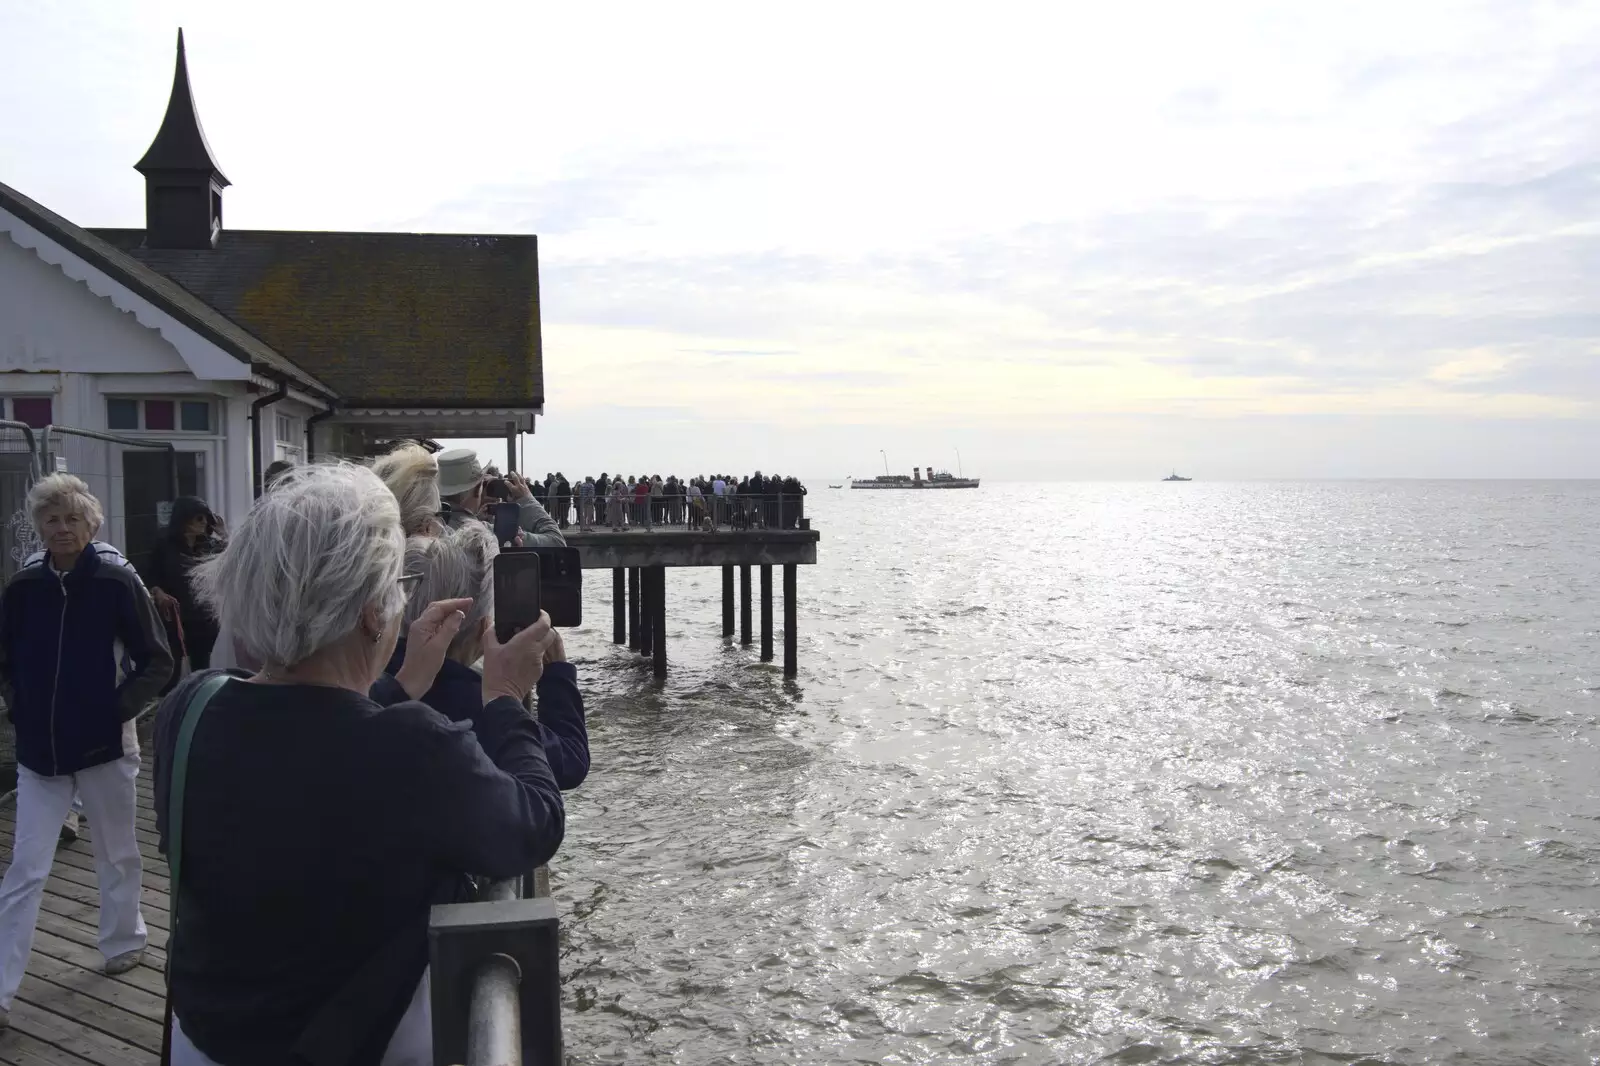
(494,1014)
(496,991)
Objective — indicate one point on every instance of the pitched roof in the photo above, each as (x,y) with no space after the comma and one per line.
(419,319)
(158,289)
(180,143)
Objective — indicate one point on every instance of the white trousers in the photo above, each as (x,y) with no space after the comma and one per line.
(411,1044)
(110,802)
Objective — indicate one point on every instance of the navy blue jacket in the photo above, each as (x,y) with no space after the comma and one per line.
(81,654)
(320,825)
(457,693)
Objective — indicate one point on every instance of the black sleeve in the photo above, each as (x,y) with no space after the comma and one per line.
(562,726)
(494,808)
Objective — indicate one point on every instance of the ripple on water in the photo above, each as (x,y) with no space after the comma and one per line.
(1275,774)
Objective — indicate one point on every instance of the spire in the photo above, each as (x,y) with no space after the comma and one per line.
(180,143)
(182,182)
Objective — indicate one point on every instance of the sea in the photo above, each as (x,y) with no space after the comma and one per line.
(1109,773)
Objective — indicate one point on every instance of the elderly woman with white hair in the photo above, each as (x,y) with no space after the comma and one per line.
(459,564)
(82,652)
(312,813)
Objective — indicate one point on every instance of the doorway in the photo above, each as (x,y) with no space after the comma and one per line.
(148,490)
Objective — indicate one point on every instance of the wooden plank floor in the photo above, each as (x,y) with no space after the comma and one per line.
(68,1012)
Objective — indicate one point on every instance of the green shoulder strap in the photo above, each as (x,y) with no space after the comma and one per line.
(180,773)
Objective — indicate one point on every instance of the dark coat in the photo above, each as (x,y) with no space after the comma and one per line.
(457,693)
(81,653)
(320,826)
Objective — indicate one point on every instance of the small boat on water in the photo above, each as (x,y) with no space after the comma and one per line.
(1174,477)
(836,486)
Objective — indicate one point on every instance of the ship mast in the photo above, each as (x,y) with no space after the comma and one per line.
(885,461)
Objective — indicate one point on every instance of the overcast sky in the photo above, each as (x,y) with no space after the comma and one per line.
(1071,240)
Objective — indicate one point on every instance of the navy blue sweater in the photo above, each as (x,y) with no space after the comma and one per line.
(457,693)
(81,653)
(319,827)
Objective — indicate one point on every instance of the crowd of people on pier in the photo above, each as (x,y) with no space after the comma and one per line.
(343,742)
(621,502)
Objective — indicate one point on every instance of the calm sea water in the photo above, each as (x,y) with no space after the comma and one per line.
(1246,773)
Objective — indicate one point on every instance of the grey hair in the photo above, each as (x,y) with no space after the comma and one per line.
(68,492)
(412,474)
(310,556)
(456,564)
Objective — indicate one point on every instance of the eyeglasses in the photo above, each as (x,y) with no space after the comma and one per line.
(408,583)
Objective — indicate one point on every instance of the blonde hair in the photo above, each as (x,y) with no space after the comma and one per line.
(412,474)
(67,492)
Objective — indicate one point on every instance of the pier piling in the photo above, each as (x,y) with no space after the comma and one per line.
(727,601)
(658,623)
(791,628)
(766,612)
(619,607)
(647,609)
(633,608)
(744,605)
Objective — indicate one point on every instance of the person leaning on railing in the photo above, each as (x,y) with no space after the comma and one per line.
(323,810)
(82,653)
(459,565)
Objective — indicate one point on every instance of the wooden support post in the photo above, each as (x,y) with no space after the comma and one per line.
(647,609)
(766,612)
(727,601)
(633,608)
(619,607)
(791,628)
(658,627)
(744,605)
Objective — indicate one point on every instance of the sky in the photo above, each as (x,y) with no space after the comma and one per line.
(1064,240)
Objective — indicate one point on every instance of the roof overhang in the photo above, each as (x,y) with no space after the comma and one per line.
(443,420)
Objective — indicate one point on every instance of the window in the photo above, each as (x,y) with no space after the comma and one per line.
(285,428)
(35,411)
(122,414)
(159,415)
(196,416)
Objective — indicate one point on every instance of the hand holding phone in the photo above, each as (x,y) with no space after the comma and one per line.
(517,599)
(513,668)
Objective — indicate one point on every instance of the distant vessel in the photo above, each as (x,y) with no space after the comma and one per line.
(836,486)
(1174,477)
(935,480)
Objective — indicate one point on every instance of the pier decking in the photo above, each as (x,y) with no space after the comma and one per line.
(68,1012)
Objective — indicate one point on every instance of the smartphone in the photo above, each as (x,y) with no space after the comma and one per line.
(517,595)
(561,585)
(507,520)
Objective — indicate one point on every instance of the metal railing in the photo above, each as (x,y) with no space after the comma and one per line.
(496,986)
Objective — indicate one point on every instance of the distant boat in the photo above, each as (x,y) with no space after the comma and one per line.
(940,480)
(1174,477)
(836,486)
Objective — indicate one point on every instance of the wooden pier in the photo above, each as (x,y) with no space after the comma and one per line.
(638,560)
(68,1012)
